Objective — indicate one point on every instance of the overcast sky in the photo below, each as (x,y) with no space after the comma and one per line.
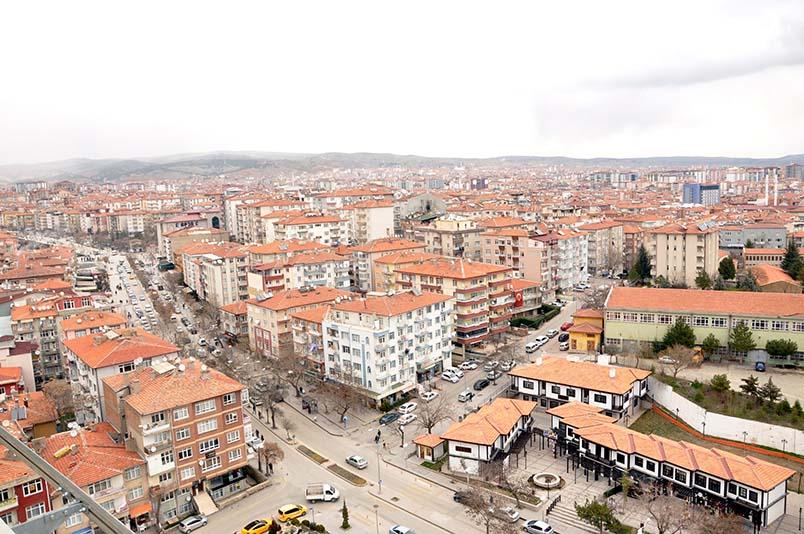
(91,79)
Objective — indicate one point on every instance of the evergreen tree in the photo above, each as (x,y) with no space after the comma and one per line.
(770,391)
(597,514)
(345,515)
(791,263)
(749,244)
(750,386)
(661,281)
(781,347)
(727,269)
(703,281)
(720,383)
(741,339)
(679,334)
(747,282)
(709,345)
(640,271)
(719,284)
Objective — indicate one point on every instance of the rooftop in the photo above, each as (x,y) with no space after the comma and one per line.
(391,305)
(118,346)
(296,298)
(586,375)
(486,425)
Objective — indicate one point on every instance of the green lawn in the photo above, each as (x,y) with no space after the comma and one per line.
(653,423)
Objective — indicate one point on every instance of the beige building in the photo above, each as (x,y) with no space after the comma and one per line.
(512,247)
(301,270)
(605,247)
(364,256)
(385,268)
(369,220)
(181,238)
(452,235)
(217,272)
(678,252)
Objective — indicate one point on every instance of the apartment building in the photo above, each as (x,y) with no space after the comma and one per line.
(29,414)
(300,270)
(187,421)
(30,275)
(759,235)
(637,315)
(568,258)
(527,297)
(387,345)
(178,240)
(679,252)
(483,294)
(269,318)
(553,381)
(326,229)
(452,235)
(308,338)
(364,256)
(512,247)
(251,216)
(24,494)
(632,239)
(369,220)
(384,275)
(337,199)
(234,216)
(234,319)
(197,219)
(93,358)
(95,459)
(19,354)
(605,247)
(217,272)
(281,251)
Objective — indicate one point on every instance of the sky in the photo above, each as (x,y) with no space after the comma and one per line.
(581,79)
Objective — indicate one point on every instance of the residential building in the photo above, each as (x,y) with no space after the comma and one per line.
(758,256)
(512,247)
(196,219)
(24,493)
(178,240)
(31,413)
(487,435)
(217,272)
(93,358)
(364,256)
(527,297)
(19,354)
(759,235)
(369,220)
(187,421)
(95,459)
(387,345)
(452,235)
(308,338)
(281,251)
(553,381)
(11,381)
(30,275)
(384,274)
(269,330)
(636,315)
(337,199)
(705,194)
(89,322)
(300,270)
(326,229)
(483,294)
(679,252)
(586,332)
(234,319)
(632,238)
(568,259)
(605,248)
(771,278)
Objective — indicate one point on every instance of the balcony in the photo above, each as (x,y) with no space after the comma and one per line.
(153,428)
(379,347)
(8,503)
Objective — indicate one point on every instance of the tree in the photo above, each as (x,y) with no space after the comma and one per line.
(706,522)
(345,515)
(661,282)
(749,244)
(670,514)
(769,391)
(727,269)
(479,505)
(338,395)
(514,482)
(626,482)
(288,425)
(640,271)
(678,358)
(720,383)
(709,345)
(719,284)
(597,514)
(747,282)
(703,281)
(271,399)
(791,263)
(781,347)
(750,386)
(741,339)
(596,298)
(433,412)
(291,369)
(271,453)
(61,393)
(680,333)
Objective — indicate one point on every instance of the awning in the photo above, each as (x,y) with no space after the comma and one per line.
(140,509)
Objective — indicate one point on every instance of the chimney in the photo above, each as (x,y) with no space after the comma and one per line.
(612,372)
(134,385)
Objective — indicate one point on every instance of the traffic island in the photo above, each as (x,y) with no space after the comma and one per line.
(311,454)
(347,475)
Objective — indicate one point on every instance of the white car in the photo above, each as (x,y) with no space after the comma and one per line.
(357,461)
(535,526)
(449,377)
(455,371)
(407,419)
(541,340)
(254,442)
(531,347)
(406,408)
(468,366)
(551,333)
(427,396)
(508,514)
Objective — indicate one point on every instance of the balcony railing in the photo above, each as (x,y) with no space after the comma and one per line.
(8,504)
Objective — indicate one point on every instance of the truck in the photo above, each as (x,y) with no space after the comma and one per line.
(321,492)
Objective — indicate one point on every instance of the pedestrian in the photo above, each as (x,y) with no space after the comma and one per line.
(641,529)
(270,468)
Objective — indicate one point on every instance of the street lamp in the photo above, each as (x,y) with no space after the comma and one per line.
(784,444)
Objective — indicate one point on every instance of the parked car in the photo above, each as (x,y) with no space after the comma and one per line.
(407,408)
(400,529)
(427,396)
(465,396)
(481,384)
(321,492)
(566,326)
(258,526)
(455,371)
(389,418)
(493,375)
(564,345)
(536,526)
(255,442)
(490,366)
(192,523)
(507,366)
(541,340)
(508,513)
(460,496)
(291,511)
(449,377)
(667,360)
(759,367)
(563,336)
(468,366)
(551,333)
(531,347)
(407,419)
(357,461)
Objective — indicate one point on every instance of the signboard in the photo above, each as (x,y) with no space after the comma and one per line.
(518,299)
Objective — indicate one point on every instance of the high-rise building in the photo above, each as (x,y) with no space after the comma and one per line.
(706,194)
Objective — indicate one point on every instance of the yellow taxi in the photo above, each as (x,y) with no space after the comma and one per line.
(258,526)
(291,511)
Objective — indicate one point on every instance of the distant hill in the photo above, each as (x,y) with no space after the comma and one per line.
(216,163)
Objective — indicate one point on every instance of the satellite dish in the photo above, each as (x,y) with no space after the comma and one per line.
(204,367)
(153,449)
(73,433)
(181,367)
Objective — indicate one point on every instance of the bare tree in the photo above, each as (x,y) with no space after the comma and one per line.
(271,399)
(670,513)
(481,508)
(677,358)
(707,521)
(341,397)
(433,412)
(291,368)
(288,425)
(508,352)
(61,393)
(595,298)
(271,453)
(514,482)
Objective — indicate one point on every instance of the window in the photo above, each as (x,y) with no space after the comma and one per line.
(157,418)
(204,406)
(232,436)
(719,322)
(185,453)
(613,316)
(629,317)
(779,326)
(458,448)
(229,398)
(73,520)
(700,480)
(182,433)
(166,457)
(665,319)
(235,455)
(169,496)
(135,493)
(181,413)
(33,487)
(207,426)
(5,494)
(208,445)
(645,317)
(681,476)
(165,477)
(132,473)
(211,463)
(759,324)
(9,518)
(125,367)
(35,510)
(743,493)
(570,392)
(650,466)
(528,384)
(753,496)
(667,470)
(230,418)
(555,389)
(599,398)
(699,320)
(187,473)
(714,485)
(108,506)
(620,458)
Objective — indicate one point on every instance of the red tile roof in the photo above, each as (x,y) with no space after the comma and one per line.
(391,305)
(582,374)
(119,346)
(457,268)
(296,298)
(92,319)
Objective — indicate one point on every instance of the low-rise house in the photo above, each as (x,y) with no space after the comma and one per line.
(773,279)
(586,332)
(24,494)
(487,434)
(553,381)
(32,413)
(11,381)
(19,354)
